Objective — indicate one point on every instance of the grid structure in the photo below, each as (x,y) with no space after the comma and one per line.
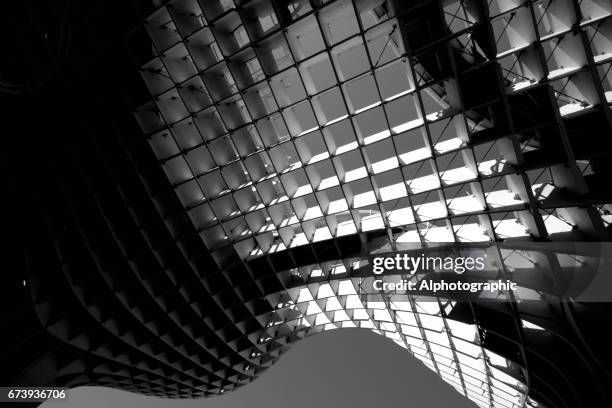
(291,140)
(300,129)
(454,339)
(280,127)
(449,347)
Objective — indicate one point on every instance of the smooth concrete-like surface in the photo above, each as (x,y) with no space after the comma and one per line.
(342,368)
